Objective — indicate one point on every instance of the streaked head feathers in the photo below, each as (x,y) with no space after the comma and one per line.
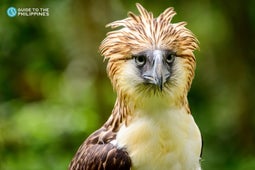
(144,32)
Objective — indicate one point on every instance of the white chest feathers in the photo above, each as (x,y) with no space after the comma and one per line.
(168,141)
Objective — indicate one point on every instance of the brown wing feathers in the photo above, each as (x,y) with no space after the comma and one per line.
(96,153)
(101,157)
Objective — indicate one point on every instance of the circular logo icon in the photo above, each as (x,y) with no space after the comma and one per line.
(11,12)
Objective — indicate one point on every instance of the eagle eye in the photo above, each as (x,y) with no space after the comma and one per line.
(140,60)
(170,58)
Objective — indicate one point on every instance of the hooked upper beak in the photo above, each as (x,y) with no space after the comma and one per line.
(157,73)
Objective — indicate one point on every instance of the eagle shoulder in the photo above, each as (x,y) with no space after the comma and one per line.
(97,153)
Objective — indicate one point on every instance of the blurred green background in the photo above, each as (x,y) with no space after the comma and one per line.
(54,90)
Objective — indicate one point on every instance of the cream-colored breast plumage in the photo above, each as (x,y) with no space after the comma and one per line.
(169,140)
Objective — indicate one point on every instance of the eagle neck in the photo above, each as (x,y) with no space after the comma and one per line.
(121,114)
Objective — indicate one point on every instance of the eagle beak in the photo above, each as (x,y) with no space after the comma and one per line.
(157,74)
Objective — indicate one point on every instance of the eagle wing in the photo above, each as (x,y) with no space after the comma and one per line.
(97,153)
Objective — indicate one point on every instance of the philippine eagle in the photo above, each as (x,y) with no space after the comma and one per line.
(151,66)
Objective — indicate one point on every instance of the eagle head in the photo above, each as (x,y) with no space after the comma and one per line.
(150,56)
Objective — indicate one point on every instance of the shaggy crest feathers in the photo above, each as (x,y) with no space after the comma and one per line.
(141,32)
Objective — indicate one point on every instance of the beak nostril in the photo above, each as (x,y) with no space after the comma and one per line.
(148,78)
(166,76)
(156,80)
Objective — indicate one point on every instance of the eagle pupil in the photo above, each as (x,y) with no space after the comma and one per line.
(170,58)
(140,60)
